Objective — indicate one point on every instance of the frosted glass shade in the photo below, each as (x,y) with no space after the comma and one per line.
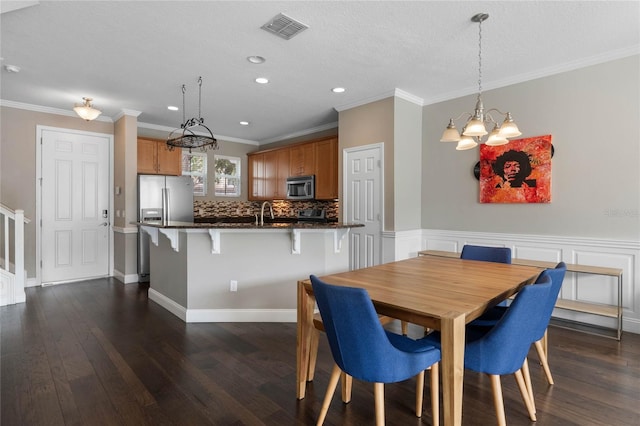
(466,142)
(450,134)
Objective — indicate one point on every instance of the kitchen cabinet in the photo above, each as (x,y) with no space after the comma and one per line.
(268,173)
(326,169)
(302,159)
(269,170)
(155,158)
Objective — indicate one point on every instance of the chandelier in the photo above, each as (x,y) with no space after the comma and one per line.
(475,127)
(192,132)
(86,111)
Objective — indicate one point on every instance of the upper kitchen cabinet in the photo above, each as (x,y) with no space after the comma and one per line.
(269,170)
(302,159)
(326,169)
(155,158)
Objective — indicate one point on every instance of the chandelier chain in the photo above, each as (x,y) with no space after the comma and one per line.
(184,117)
(200,99)
(480,57)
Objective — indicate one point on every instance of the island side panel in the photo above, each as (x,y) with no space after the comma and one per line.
(169,270)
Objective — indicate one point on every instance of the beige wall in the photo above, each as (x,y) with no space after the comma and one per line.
(365,125)
(18,163)
(593,115)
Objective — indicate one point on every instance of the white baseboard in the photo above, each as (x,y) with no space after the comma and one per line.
(171,306)
(126,279)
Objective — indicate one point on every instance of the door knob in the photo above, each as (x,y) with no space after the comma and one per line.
(104,224)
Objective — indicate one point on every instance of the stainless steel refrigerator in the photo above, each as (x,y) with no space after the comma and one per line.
(165,198)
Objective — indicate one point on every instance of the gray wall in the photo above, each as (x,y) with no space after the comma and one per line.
(594,116)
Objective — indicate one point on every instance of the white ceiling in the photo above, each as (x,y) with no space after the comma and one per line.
(135,55)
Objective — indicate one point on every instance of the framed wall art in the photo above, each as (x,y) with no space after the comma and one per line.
(518,172)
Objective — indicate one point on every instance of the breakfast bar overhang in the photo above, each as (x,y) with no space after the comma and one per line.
(236,272)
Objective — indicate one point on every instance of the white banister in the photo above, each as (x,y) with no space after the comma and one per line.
(13,282)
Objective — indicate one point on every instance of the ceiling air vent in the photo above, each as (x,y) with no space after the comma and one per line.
(284,26)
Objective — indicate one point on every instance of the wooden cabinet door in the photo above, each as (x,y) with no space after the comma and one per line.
(270,174)
(302,160)
(256,176)
(326,169)
(169,162)
(147,156)
(283,162)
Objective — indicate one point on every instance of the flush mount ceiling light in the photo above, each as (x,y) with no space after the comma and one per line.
(262,80)
(338,90)
(244,123)
(172,108)
(474,128)
(86,111)
(192,132)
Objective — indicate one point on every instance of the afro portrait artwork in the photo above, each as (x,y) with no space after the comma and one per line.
(518,172)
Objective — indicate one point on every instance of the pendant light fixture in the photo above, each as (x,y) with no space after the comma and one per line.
(86,111)
(192,132)
(475,126)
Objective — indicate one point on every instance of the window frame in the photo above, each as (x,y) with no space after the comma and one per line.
(191,173)
(237,176)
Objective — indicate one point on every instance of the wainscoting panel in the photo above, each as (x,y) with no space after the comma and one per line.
(577,286)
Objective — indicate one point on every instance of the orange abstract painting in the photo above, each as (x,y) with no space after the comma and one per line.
(518,172)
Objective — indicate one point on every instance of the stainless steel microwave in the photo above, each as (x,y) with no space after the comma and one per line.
(301,187)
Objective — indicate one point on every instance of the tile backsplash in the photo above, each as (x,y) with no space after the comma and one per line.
(209,208)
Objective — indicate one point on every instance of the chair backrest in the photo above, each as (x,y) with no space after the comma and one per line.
(487,254)
(358,342)
(504,349)
(557,276)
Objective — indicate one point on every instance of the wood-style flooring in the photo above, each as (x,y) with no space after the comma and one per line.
(100,353)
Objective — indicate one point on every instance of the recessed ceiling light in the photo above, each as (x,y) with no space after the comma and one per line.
(172,108)
(12,68)
(338,90)
(256,59)
(262,80)
(244,123)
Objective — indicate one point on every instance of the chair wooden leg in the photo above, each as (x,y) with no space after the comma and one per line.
(525,395)
(378,393)
(498,402)
(405,327)
(419,393)
(313,354)
(331,389)
(543,360)
(435,393)
(347,384)
(527,381)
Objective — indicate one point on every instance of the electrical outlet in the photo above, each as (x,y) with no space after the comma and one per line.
(233,285)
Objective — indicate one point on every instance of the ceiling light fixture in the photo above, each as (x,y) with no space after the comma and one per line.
(474,129)
(244,123)
(186,136)
(172,108)
(86,111)
(338,90)
(262,80)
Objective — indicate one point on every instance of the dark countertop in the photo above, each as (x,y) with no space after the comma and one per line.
(248,219)
(249,225)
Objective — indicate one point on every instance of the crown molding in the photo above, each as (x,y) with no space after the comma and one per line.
(48,110)
(127,112)
(328,126)
(393,93)
(545,72)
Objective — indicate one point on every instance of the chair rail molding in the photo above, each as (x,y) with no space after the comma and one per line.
(610,253)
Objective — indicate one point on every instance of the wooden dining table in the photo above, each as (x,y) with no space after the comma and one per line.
(435,292)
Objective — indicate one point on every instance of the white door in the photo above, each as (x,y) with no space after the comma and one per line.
(363,203)
(75,206)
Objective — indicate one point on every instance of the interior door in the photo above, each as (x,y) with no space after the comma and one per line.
(363,204)
(75,206)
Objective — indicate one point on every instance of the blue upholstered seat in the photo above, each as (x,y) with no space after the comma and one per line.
(487,254)
(503,348)
(363,349)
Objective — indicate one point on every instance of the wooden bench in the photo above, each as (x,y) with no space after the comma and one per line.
(610,311)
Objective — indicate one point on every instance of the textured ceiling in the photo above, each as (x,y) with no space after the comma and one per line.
(135,55)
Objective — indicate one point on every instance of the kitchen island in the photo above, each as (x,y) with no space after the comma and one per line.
(234,272)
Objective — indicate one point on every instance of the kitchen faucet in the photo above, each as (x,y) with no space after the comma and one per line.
(262,212)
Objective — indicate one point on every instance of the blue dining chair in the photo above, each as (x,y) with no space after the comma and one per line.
(363,349)
(486,254)
(504,348)
(493,315)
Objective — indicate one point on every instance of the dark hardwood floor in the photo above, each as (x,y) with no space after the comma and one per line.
(101,353)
